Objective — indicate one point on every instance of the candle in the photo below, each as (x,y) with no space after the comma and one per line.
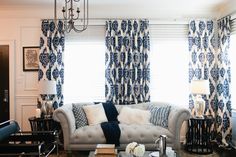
(37,113)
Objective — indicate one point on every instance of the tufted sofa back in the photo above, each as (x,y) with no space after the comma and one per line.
(65,116)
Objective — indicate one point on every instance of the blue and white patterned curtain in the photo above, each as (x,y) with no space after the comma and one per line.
(51,65)
(127,61)
(223,109)
(209,60)
(202,50)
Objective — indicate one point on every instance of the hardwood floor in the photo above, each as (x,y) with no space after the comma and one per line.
(225,152)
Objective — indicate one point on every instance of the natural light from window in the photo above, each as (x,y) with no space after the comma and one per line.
(85,66)
(84,72)
(232,52)
(169,71)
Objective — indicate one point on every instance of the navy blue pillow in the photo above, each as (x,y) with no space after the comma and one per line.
(111,111)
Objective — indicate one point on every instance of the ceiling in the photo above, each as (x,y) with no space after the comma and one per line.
(137,8)
(157,3)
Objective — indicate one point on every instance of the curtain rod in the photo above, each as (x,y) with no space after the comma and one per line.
(105,19)
(152,21)
(156,24)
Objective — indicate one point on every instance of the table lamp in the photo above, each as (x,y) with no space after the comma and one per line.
(47,87)
(199,87)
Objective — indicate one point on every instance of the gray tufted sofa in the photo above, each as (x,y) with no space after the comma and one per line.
(86,138)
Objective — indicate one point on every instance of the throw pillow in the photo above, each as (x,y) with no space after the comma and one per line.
(111,111)
(80,117)
(95,114)
(159,115)
(134,116)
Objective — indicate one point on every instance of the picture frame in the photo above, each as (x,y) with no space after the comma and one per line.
(31,58)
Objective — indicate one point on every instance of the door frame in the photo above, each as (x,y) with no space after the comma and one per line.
(12,50)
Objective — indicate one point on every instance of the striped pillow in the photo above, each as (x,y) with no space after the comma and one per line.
(159,115)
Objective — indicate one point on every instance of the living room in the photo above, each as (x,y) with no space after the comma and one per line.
(85,53)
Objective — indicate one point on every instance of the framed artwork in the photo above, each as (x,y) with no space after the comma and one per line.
(31,58)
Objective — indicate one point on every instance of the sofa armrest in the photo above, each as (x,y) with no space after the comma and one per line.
(175,120)
(65,116)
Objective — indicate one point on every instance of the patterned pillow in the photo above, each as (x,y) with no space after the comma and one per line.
(159,115)
(80,117)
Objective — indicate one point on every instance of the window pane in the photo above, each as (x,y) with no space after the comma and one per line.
(169,71)
(232,52)
(84,72)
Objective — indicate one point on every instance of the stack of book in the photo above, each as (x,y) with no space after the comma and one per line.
(105,150)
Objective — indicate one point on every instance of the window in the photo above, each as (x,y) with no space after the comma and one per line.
(169,71)
(232,52)
(169,58)
(84,66)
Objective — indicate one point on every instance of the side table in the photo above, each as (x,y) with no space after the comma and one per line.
(46,124)
(43,124)
(199,135)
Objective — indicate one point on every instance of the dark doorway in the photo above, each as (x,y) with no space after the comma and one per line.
(4,83)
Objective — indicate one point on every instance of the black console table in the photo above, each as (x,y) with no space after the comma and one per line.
(199,135)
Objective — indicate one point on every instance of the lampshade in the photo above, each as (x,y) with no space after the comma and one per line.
(47,87)
(200,87)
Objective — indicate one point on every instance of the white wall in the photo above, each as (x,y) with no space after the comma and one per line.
(227,8)
(21,32)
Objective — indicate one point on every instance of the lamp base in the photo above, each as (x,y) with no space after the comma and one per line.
(199,116)
(199,106)
(47,108)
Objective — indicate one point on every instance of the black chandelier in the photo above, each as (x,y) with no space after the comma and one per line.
(73,17)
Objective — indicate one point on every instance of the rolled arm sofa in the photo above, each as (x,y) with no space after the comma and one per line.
(87,137)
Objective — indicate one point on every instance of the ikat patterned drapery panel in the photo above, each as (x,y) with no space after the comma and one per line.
(127,61)
(202,51)
(209,60)
(223,109)
(51,65)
